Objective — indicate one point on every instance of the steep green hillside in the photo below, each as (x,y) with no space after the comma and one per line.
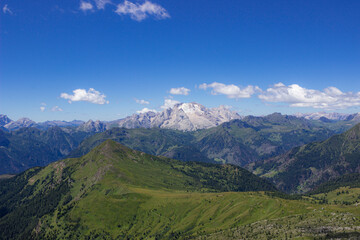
(115,192)
(112,181)
(29,147)
(303,168)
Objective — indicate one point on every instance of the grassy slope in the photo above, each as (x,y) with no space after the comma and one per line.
(333,214)
(109,184)
(116,192)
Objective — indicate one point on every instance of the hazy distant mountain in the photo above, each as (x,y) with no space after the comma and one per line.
(4,120)
(7,124)
(183,116)
(57,123)
(91,126)
(22,122)
(331,116)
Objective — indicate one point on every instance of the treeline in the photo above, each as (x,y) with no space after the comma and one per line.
(348,180)
(21,208)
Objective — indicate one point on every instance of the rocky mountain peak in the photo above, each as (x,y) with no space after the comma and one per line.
(22,122)
(91,126)
(182,116)
(4,120)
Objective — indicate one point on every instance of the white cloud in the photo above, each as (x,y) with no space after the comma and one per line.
(180,91)
(297,96)
(141,101)
(145,110)
(6,10)
(139,11)
(56,109)
(86,6)
(100,4)
(91,96)
(169,103)
(231,90)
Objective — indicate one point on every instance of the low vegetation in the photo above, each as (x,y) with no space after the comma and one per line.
(115,192)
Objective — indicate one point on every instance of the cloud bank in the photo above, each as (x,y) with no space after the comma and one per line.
(231,90)
(297,96)
(91,96)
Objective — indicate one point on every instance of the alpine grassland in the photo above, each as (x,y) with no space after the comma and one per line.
(115,192)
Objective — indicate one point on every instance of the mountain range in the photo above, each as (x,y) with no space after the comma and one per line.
(183,116)
(305,167)
(237,142)
(29,147)
(329,116)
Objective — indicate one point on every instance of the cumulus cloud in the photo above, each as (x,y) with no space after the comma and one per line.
(86,6)
(6,9)
(169,103)
(231,90)
(91,96)
(145,110)
(297,96)
(100,4)
(139,12)
(56,109)
(180,91)
(141,101)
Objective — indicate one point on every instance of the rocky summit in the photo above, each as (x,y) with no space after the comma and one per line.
(183,116)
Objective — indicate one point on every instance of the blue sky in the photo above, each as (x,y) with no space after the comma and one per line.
(256,56)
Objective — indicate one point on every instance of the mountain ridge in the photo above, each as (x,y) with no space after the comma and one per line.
(304,167)
(182,116)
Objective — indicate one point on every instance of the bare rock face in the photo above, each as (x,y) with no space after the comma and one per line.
(193,116)
(22,122)
(91,126)
(4,120)
(142,120)
(183,116)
